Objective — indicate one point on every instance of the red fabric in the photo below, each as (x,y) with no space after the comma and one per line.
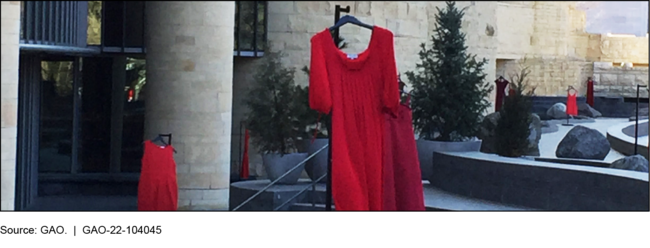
(590,93)
(501,91)
(356,90)
(571,104)
(511,92)
(402,177)
(244,173)
(157,189)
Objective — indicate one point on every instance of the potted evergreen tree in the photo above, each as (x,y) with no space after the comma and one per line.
(450,91)
(274,126)
(515,117)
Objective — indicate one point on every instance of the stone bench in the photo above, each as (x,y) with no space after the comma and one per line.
(539,185)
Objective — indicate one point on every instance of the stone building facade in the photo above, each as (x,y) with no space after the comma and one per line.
(197,87)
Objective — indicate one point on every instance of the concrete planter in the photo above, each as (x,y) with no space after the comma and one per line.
(427,147)
(317,166)
(276,165)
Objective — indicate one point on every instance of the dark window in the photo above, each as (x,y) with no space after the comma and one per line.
(53,23)
(250,28)
(122,26)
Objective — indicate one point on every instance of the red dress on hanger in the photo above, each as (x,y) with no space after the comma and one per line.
(590,93)
(158,188)
(402,177)
(571,104)
(501,93)
(357,88)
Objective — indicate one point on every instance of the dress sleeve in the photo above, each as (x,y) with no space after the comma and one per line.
(390,94)
(320,98)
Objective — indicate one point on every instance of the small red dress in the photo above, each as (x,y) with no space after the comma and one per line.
(571,104)
(158,188)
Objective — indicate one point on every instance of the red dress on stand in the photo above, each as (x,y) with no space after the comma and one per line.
(571,104)
(501,93)
(158,188)
(590,93)
(402,177)
(357,88)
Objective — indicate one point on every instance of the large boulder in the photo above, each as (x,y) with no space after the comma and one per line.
(488,136)
(585,110)
(557,111)
(583,143)
(633,163)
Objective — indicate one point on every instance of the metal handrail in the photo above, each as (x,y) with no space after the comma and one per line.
(279,178)
(300,192)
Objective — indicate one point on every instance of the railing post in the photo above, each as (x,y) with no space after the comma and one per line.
(313,195)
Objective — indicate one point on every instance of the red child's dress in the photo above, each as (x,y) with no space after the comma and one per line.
(571,104)
(158,188)
(357,89)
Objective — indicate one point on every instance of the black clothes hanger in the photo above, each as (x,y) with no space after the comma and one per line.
(161,140)
(350,19)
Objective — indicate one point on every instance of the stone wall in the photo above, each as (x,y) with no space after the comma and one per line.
(292,24)
(619,80)
(551,76)
(10,54)
(613,48)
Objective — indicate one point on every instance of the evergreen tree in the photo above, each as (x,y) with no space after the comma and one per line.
(450,93)
(513,127)
(273,120)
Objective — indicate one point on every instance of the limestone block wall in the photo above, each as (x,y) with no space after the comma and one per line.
(292,23)
(10,54)
(551,77)
(514,41)
(619,81)
(620,49)
(189,94)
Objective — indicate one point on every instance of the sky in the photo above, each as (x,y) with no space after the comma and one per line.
(616,17)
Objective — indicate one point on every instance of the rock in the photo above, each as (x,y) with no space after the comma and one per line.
(535,135)
(488,136)
(633,163)
(583,143)
(557,111)
(586,110)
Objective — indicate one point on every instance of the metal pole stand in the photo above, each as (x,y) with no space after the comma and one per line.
(636,120)
(567,124)
(328,189)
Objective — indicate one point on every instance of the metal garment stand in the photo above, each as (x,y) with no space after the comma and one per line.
(328,190)
(636,120)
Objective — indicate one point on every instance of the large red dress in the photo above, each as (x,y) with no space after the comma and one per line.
(357,89)
(402,177)
(158,188)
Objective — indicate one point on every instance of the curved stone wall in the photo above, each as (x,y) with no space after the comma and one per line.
(540,185)
(624,143)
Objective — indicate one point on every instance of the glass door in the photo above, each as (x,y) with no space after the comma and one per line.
(56,115)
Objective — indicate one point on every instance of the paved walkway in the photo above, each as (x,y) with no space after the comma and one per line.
(548,143)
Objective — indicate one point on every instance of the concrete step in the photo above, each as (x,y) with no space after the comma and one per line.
(308,207)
